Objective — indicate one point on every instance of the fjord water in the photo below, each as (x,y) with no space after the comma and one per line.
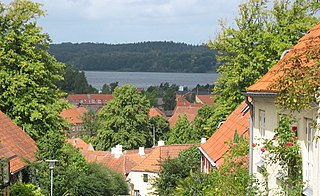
(146,79)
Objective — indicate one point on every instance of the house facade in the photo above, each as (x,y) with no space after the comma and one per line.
(143,175)
(74,117)
(90,101)
(265,119)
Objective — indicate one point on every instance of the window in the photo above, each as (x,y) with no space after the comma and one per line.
(136,193)
(262,123)
(145,177)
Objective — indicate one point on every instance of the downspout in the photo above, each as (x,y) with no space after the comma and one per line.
(251,136)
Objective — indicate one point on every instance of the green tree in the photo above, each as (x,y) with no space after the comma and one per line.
(263,30)
(75,82)
(100,181)
(161,127)
(200,123)
(176,169)
(109,88)
(124,120)
(183,132)
(169,97)
(28,74)
(231,178)
(90,125)
(20,189)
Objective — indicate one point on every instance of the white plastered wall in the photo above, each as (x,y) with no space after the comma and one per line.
(145,188)
(267,105)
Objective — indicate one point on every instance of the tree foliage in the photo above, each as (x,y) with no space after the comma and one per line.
(262,31)
(145,56)
(124,120)
(28,73)
(231,178)
(183,132)
(176,169)
(161,127)
(75,82)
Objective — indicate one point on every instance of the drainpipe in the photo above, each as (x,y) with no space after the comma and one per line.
(251,136)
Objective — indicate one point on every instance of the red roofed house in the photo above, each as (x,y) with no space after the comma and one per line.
(16,147)
(205,99)
(117,160)
(142,174)
(217,145)
(89,101)
(265,119)
(74,117)
(154,111)
(184,107)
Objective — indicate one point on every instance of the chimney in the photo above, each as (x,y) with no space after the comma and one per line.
(203,140)
(160,143)
(75,141)
(141,151)
(117,151)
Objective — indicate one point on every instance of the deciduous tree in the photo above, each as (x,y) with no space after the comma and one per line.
(124,120)
(28,73)
(247,49)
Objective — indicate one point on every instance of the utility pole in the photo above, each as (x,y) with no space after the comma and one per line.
(154,134)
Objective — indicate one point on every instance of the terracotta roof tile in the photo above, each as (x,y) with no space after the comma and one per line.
(263,84)
(217,146)
(190,111)
(154,111)
(123,164)
(206,99)
(17,142)
(90,99)
(160,153)
(74,115)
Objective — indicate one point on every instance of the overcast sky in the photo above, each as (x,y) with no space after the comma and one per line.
(124,21)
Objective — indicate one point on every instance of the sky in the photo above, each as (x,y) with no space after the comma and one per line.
(126,21)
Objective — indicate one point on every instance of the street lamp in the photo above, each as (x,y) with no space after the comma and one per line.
(51,166)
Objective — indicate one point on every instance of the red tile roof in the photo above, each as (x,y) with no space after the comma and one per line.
(216,145)
(263,84)
(190,111)
(74,115)
(19,143)
(123,164)
(160,153)
(205,99)
(90,99)
(156,112)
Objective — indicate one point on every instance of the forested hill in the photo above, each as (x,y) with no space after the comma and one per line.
(145,56)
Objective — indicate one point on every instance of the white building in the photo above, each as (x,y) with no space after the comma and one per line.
(265,119)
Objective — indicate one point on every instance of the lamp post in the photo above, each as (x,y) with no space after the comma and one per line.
(51,166)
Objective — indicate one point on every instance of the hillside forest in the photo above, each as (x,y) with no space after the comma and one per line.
(138,57)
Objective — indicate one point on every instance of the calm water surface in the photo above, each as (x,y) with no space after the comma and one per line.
(145,79)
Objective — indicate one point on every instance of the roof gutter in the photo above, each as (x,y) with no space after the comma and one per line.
(207,156)
(254,93)
(251,135)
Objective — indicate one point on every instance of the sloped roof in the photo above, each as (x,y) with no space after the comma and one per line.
(190,111)
(154,111)
(74,115)
(5,153)
(217,144)
(123,164)
(206,99)
(263,84)
(160,153)
(86,99)
(17,142)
